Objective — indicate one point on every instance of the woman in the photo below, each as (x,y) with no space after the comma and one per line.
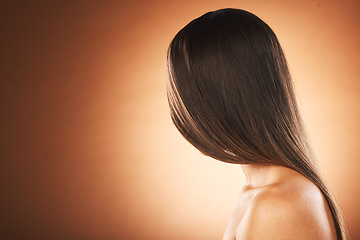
(231,96)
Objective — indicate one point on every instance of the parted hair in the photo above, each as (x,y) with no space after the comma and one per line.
(231,96)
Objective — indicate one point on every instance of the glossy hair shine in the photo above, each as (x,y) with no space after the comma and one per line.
(231,96)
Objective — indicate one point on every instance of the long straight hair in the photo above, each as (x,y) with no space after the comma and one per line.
(231,96)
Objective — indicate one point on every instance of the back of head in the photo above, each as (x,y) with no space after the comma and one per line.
(231,96)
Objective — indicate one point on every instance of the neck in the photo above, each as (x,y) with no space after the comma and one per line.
(263,175)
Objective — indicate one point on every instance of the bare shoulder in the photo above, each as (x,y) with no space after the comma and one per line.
(292,210)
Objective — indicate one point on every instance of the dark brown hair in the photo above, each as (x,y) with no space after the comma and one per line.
(231,96)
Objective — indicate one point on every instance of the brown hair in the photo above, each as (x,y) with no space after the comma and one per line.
(231,96)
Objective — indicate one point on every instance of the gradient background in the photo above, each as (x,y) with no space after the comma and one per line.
(87,147)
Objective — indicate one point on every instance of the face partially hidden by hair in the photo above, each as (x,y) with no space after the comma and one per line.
(230,91)
(231,96)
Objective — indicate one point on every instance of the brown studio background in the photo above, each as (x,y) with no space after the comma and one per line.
(87,147)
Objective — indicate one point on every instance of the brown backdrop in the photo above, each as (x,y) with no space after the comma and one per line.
(87,147)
